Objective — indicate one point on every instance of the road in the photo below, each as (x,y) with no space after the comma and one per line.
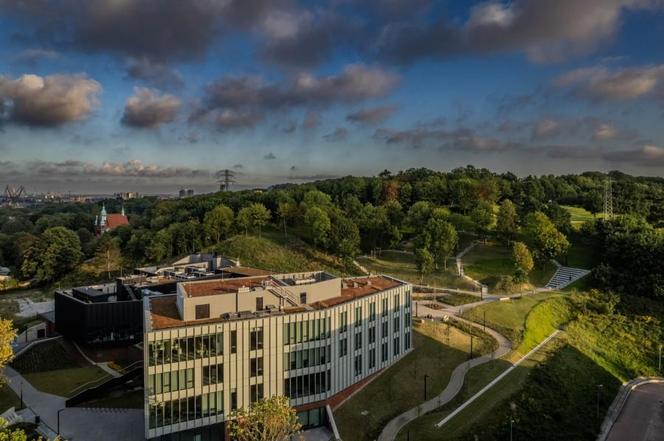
(642,418)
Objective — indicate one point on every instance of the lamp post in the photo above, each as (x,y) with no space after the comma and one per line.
(425,386)
(660,358)
(484,315)
(22,405)
(59,419)
(471,345)
(511,431)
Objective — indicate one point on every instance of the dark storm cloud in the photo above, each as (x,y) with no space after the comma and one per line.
(375,115)
(546,30)
(337,135)
(269,156)
(154,73)
(47,101)
(147,108)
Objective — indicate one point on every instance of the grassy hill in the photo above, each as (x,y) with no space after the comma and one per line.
(277,253)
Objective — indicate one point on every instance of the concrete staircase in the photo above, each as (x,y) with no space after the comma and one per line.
(564,276)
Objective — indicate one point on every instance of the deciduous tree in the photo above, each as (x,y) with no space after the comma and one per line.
(270,419)
(218,222)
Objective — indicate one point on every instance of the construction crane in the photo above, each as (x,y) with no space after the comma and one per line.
(13,194)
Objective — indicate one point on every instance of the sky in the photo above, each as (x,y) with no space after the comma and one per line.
(99,96)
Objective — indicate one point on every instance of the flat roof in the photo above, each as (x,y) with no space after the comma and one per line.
(221,286)
(164,313)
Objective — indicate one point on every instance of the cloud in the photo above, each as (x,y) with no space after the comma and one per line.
(649,155)
(290,127)
(546,30)
(546,128)
(337,135)
(311,120)
(131,169)
(620,84)
(375,115)
(234,120)
(269,156)
(147,108)
(586,127)
(30,57)
(238,166)
(250,95)
(154,73)
(47,101)
(456,139)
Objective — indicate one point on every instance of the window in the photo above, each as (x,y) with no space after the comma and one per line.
(343,347)
(233,342)
(358,316)
(406,320)
(372,311)
(372,358)
(358,340)
(259,303)
(372,335)
(384,329)
(385,308)
(396,324)
(256,392)
(396,346)
(256,337)
(202,311)
(234,399)
(213,374)
(171,381)
(344,321)
(309,384)
(396,301)
(256,366)
(383,352)
(358,364)
(406,341)
(303,298)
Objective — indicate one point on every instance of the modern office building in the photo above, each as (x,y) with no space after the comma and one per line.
(217,345)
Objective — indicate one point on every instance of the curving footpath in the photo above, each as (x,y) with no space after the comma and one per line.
(455,384)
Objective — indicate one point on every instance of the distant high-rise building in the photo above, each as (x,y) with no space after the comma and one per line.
(186,192)
(126,195)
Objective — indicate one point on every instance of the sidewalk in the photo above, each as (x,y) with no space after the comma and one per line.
(455,384)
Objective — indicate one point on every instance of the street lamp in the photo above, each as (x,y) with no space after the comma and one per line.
(59,419)
(425,386)
(22,395)
(599,391)
(660,358)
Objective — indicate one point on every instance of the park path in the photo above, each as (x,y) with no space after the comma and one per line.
(455,384)
(77,423)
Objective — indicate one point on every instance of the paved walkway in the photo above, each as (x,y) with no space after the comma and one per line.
(455,384)
(642,417)
(77,423)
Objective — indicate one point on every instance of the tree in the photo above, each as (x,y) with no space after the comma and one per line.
(482,216)
(506,223)
(344,237)
(161,246)
(418,215)
(424,262)
(523,261)
(217,222)
(254,216)
(56,253)
(270,419)
(440,238)
(108,256)
(547,241)
(318,225)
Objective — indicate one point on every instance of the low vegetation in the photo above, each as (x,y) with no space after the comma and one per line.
(456,299)
(438,349)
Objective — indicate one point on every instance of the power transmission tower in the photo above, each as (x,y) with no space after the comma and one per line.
(608,199)
(13,194)
(227,178)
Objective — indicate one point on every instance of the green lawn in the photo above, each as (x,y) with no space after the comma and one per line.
(8,398)
(277,253)
(423,428)
(488,262)
(580,215)
(438,349)
(456,299)
(508,317)
(402,265)
(56,368)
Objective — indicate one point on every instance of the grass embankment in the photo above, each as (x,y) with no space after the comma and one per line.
(401,264)
(438,349)
(488,263)
(55,367)
(277,253)
(603,344)
(456,299)
(580,215)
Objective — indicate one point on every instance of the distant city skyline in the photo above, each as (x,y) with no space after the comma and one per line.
(105,96)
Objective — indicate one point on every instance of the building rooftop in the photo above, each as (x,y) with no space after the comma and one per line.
(115,220)
(163,310)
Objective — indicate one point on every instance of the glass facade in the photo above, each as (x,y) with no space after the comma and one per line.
(308,330)
(184,349)
(307,357)
(182,410)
